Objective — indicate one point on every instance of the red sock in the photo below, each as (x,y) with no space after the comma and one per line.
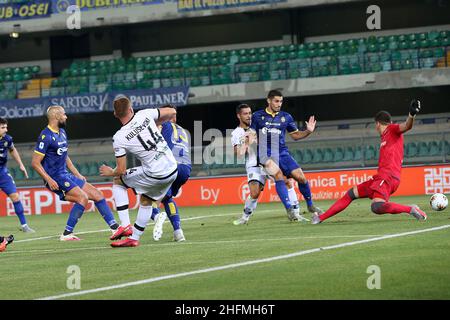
(394,208)
(337,207)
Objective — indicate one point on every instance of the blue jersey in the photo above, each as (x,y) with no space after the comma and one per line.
(178,142)
(271,130)
(53,146)
(6,144)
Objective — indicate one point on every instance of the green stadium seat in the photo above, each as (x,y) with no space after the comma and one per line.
(358,154)
(435,148)
(317,156)
(307,156)
(369,153)
(423,149)
(348,154)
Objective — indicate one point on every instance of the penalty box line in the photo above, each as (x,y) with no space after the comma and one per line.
(242,264)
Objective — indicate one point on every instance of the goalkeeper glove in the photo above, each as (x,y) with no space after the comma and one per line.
(414,107)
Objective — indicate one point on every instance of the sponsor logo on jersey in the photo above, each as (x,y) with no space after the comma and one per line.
(270,130)
(60,151)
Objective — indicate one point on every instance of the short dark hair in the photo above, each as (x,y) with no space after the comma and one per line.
(274,93)
(242,106)
(383,117)
(3,121)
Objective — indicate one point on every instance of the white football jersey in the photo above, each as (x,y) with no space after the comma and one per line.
(237,139)
(141,137)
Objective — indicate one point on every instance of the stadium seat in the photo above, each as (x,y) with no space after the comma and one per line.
(338,155)
(348,154)
(307,156)
(317,156)
(423,149)
(358,154)
(435,148)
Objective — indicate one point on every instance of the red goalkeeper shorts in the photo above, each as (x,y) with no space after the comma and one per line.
(378,187)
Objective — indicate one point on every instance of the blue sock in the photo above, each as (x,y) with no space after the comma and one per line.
(172,212)
(18,208)
(74,215)
(283,193)
(306,192)
(105,211)
(154,213)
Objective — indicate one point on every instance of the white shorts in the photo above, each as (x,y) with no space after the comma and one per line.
(141,183)
(257,174)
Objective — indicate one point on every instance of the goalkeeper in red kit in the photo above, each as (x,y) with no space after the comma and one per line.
(387,179)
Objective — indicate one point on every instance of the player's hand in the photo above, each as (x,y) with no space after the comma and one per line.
(52,184)
(22,168)
(250,137)
(311,124)
(106,171)
(414,107)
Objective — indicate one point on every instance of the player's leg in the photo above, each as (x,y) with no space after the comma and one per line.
(120,195)
(293,198)
(274,170)
(342,203)
(18,209)
(80,199)
(380,201)
(151,190)
(291,168)
(100,203)
(9,187)
(251,202)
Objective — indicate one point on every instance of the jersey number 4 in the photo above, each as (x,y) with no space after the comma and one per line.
(149,144)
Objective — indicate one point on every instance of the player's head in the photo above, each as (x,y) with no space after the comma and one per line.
(3,127)
(274,100)
(57,115)
(382,120)
(174,118)
(244,114)
(122,107)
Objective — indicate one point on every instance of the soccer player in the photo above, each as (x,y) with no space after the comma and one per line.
(244,144)
(7,183)
(178,142)
(4,241)
(387,179)
(271,125)
(139,136)
(51,161)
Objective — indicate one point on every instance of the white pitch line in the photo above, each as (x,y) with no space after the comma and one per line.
(104,230)
(241,264)
(187,243)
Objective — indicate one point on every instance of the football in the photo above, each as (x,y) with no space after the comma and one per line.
(438,202)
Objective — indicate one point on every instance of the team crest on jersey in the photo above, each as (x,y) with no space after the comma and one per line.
(283,119)
(43,137)
(262,118)
(5,144)
(67,184)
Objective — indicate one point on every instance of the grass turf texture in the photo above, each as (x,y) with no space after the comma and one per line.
(412,267)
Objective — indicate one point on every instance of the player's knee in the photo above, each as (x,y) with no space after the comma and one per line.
(144,201)
(377,207)
(14,197)
(254,194)
(83,198)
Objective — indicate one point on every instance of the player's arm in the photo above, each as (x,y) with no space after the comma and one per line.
(165,114)
(119,170)
(74,169)
(310,126)
(414,108)
(36,164)
(16,156)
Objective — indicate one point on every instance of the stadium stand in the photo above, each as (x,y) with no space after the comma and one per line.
(313,59)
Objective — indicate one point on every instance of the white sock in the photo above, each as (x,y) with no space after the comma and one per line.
(121,198)
(250,205)
(143,217)
(293,199)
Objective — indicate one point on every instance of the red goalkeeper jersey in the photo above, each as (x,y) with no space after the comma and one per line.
(391,152)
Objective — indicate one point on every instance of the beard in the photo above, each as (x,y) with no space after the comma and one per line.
(61,125)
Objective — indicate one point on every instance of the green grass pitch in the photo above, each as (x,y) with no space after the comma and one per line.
(414,266)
